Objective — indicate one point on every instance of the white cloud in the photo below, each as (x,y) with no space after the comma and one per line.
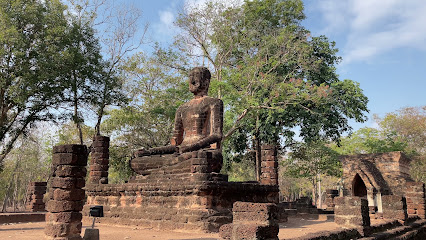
(166,17)
(375,27)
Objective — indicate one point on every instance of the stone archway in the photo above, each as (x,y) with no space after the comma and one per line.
(358,187)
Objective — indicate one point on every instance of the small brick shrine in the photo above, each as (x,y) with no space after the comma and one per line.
(383,179)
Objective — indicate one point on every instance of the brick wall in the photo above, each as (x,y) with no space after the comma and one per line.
(415,197)
(394,207)
(351,212)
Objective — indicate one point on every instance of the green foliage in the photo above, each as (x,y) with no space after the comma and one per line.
(271,74)
(369,140)
(155,92)
(33,40)
(29,161)
(403,130)
(308,160)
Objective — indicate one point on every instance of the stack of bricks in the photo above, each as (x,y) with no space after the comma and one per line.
(351,212)
(269,165)
(415,196)
(252,221)
(35,193)
(99,160)
(329,201)
(394,207)
(66,196)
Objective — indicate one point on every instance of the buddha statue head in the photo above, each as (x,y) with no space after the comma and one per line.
(199,81)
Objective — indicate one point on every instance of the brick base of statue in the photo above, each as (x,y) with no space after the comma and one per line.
(66,196)
(188,196)
(252,221)
(35,193)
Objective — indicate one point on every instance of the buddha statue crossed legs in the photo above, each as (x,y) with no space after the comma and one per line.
(198,127)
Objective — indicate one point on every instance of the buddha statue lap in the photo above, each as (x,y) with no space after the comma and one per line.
(197,133)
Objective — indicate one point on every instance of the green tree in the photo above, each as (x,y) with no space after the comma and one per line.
(32,39)
(29,161)
(313,161)
(369,140)
(408,125)
(155,92)
(271,73)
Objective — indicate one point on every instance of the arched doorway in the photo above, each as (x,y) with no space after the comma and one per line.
(358,187)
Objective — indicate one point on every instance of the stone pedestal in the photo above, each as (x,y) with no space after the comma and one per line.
(99,161)
(394,207)
(35,193)
(351,212)
(415,196)
(252,221)
(66,196)
(269,165)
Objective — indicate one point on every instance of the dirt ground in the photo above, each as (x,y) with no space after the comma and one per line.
(295,227)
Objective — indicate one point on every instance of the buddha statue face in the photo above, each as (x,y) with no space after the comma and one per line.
(199,80)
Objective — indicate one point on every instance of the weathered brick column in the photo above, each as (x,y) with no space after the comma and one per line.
(35,193)
(329,201)
(415,196)
(394,207)
(66,196)
(252,221)
(351,212)
(99,160)
(269,165)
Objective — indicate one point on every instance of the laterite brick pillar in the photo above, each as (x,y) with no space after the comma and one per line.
(394,207)
(351,212)
(415,196)
(66,196)
(99,160)
(35,193)
(329,201)
(269,165)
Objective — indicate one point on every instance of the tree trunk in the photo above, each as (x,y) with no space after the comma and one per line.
(258,151)
(9,187)
(319,192)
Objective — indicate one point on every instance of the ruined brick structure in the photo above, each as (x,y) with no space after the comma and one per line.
(99,161)
(394,207)
(252,221)
(35,193)
(374,175)
(179,186)
(66,196)
(269,165)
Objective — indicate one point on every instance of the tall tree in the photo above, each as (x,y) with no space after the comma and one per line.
(32,39)
(312,161)
(155,92)
(274,76)
(408,125)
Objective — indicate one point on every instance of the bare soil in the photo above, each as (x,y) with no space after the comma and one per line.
(295,227)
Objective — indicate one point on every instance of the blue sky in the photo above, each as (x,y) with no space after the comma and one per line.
(382,42)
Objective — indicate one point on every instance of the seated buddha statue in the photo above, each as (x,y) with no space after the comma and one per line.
(198,126)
